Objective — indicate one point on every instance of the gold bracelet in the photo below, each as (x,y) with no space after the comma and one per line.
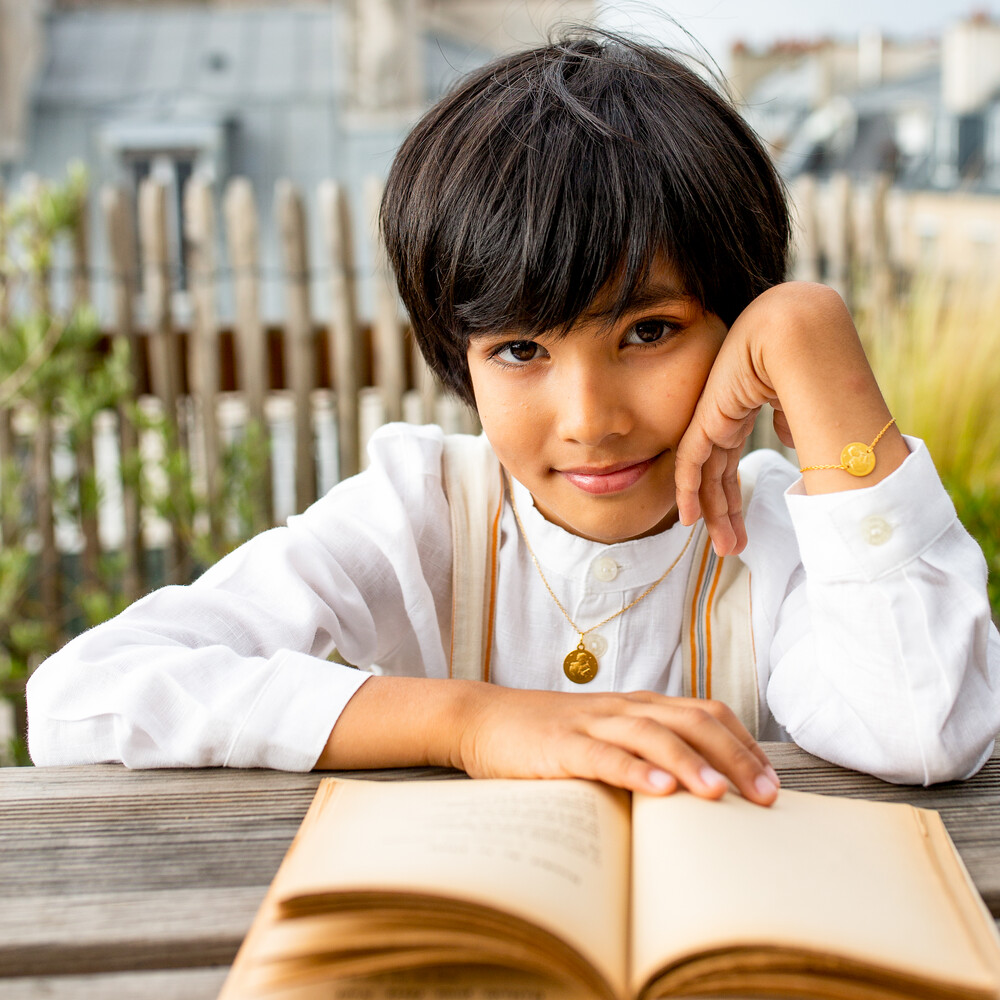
(858,459)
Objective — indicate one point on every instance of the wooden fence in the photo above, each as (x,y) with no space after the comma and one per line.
(366,369)
(309,381)
(313,387)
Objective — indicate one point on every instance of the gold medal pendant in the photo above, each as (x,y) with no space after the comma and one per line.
(580,666)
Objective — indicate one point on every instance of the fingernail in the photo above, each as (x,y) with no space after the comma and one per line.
(660,780)
(765,786)
(773,775)
(709,776)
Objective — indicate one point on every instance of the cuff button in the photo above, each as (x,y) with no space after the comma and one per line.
(876,530)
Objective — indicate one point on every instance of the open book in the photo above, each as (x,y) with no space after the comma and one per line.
(546,890)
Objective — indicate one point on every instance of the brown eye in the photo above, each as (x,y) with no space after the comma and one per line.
(649,331)
(518,352)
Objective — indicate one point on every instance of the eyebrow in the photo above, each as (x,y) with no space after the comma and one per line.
(648,294)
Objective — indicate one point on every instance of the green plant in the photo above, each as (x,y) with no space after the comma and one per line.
(55,378)
(57,373)
(936,353)
(207,528)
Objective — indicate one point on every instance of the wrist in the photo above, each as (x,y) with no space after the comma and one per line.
(805,345)
(404,722)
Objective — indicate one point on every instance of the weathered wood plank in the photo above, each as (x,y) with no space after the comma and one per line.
(86,465)
(164,367)
(108,870)
(111,932)
(387,330)
(49,577)
(344,329)
(164,353)
(173,984)
(203,342)
(8,526)
(840,242)
(806,229)
(119,225)
(49,581)
(253,362)
(299,336)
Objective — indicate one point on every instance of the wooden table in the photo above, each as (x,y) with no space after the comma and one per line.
(141,884)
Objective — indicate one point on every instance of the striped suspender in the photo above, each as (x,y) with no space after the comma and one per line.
(474,487)
(717,631)
(717,635)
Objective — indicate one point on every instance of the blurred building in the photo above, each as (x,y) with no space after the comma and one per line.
(296,90)
(927,112)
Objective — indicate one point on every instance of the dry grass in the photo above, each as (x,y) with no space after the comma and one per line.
(937,357)
(936,354)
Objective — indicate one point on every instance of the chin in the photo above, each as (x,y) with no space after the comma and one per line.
(626,529)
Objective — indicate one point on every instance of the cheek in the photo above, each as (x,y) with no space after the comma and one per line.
(501,412)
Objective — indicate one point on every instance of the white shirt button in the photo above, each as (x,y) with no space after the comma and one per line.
(605,569)
(596,643)
(876,530)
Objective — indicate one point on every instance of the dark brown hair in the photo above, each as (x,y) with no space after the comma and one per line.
(551,174)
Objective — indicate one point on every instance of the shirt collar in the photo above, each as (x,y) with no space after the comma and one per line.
(639,562)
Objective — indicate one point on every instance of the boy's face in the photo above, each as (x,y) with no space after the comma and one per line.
(590,422)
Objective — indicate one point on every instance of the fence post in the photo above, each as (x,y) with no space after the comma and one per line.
(425,381)
(119,225)
(86,465)
(252,357)
(807,252)
(344,332)
(203,342)
(164,362)
(840,254)
(164,359)
(49,576)
(388,340)
(8,526)
(881,267)
(299,338)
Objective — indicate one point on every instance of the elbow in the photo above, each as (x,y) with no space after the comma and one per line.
(901,756)
(60,732)
(40,724)
(927,761)
(47,745)
(945,760)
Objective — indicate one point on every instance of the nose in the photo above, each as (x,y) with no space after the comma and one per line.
(592,406)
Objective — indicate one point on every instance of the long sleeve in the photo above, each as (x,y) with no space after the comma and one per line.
(883,656)
(871,627)
(233,669)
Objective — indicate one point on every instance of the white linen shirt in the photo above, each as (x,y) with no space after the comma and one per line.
(872,630)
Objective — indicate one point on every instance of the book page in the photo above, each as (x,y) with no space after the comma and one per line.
(452,983)
(823,874)
(553,852)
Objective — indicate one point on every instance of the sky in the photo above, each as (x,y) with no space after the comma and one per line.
(719,23)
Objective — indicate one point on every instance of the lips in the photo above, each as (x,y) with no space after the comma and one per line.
(600,480)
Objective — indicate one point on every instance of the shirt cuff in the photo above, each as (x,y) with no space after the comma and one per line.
(292,717)
(869,533)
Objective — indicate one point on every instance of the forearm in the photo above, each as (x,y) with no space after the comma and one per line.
(795,347)
(640,741)
(403,722)
(807,349)
(884,658)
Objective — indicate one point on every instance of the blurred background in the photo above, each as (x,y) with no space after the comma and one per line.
(197,329)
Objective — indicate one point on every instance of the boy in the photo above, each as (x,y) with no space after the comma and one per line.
(591,245)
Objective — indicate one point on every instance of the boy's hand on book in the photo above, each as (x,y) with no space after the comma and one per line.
(641,741)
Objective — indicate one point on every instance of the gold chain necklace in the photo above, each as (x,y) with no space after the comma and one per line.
(580,665)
